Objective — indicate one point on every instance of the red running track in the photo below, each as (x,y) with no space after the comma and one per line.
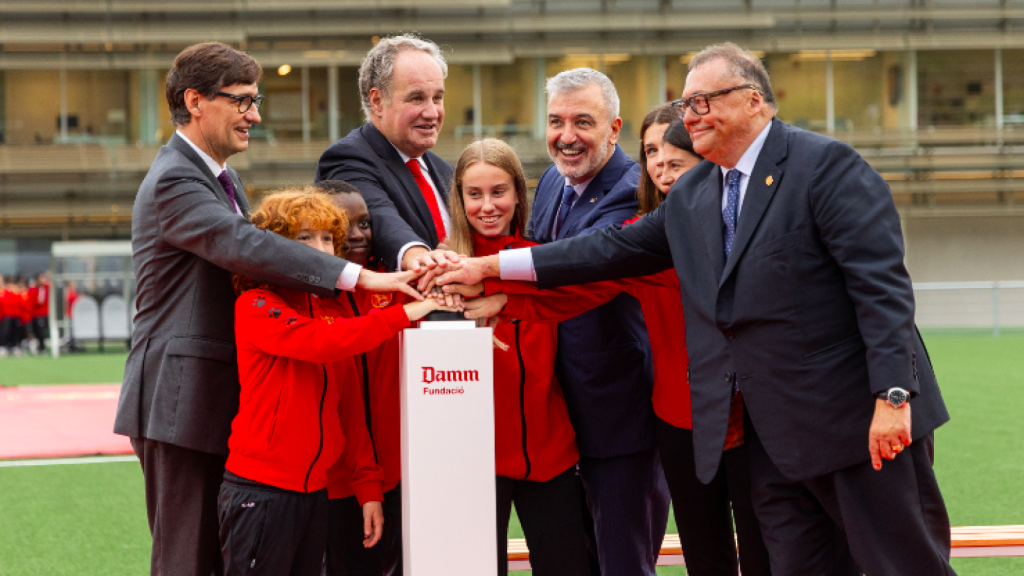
(55,421)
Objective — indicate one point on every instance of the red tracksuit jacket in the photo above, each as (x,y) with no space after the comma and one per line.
(293,421)
(663,312)
(534,439)
(377,379)
(39,297)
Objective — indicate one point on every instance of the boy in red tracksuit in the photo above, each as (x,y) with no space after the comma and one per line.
(535,447)
(39,299)
(4,323)
(294,420)
(376,384)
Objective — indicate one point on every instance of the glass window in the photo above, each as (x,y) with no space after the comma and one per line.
(956,88)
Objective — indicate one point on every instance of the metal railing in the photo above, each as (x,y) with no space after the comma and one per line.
(970,305)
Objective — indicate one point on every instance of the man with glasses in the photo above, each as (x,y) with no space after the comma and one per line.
(189,234)
(799,324)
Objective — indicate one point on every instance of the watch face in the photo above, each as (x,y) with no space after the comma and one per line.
(897,397)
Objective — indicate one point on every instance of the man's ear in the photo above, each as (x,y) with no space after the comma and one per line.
(616,129)
(192,99)
(377,101)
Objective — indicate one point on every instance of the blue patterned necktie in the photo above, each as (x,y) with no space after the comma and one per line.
(732,200)
(225,181)
(568,199)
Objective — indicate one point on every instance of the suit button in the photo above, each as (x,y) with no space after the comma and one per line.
(729,334)
(728,377)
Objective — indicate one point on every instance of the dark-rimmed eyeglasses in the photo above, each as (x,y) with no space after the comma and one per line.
(700,103)
(245,101)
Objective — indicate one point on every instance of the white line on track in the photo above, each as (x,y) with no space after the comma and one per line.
(59,461)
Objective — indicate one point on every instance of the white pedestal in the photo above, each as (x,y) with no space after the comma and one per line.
(448,486)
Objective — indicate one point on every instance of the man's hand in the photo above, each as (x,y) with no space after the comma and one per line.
(391,282)
(485,307)
(465,290)
(890,432)
(373,523)
(435,262)
(470,271)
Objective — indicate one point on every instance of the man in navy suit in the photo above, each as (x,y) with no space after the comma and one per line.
(604,358)
(799,309)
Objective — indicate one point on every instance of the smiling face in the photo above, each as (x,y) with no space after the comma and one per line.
(489,195)
(734,120)
(411,119)
(652,151)
(217,127)
(321,240)
(675,162)
(580,136)
(360,231)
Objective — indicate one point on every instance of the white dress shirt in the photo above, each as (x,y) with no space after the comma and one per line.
(437,194)
(349,274)
(517,264)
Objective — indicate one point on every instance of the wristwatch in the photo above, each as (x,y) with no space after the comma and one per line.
(895,397)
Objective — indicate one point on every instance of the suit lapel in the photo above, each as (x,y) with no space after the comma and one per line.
(181,146)
(387,152)
(547,208)
(240,198)
(435,175)
(761,187)
(709,212)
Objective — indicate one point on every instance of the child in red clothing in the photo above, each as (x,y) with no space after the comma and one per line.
(376,384)
(295,419)
(535,447)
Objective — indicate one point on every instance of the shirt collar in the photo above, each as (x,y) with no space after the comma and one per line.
(210,162)
(579,188)
(406,158)
(749,158)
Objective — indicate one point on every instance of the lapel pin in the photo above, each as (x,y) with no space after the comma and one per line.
(769,180)
(592,200)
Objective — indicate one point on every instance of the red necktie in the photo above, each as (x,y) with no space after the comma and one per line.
(429,196)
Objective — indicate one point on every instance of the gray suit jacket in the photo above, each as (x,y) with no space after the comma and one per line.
(812,312)
(181,378)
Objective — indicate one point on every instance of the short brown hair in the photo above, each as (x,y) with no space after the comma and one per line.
(206,68)
(496,153)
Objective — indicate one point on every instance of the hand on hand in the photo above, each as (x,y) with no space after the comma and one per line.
(485,307)
(470,271)
(373,523)
(429,262)
(389,282)
(890,432)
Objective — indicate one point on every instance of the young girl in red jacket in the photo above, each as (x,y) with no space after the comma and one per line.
(704,513)
(295,419)
(376,384)
(535,447)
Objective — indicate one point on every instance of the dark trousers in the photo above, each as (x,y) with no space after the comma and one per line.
(268,531)
(41,330)
(705,512)
(181,504)
(629,502)
(346,555)
(894,519)
(552,516)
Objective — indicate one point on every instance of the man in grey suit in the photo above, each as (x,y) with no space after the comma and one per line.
(190,232)
(799,311)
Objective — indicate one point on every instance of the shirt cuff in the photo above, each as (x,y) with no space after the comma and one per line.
(401,253)
(349,277)
(517,265)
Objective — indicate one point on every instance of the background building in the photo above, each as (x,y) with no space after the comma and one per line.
(931,92)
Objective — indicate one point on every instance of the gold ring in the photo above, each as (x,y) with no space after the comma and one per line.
(896,447)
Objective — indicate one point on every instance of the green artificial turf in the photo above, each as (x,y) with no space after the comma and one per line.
(77,368)
(90,519)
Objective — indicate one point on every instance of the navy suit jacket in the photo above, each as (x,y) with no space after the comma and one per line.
(604,357)
(367,160)
(812,312)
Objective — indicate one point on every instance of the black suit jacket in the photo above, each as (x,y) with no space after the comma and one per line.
(813,312)
(181,377)
(366,159)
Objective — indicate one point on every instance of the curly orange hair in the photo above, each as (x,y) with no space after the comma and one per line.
(289,211)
